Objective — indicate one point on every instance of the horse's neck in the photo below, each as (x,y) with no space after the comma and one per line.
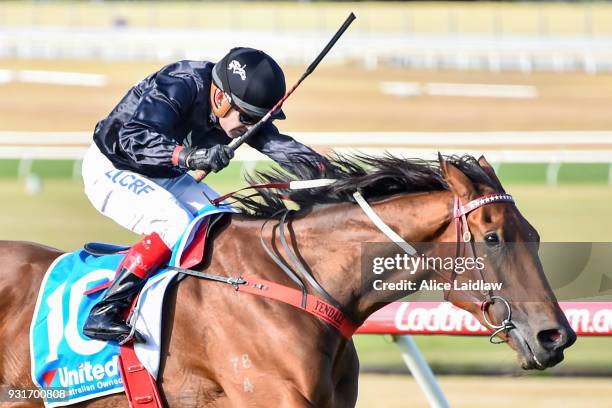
(331,240)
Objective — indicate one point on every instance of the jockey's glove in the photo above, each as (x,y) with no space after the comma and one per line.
(213,159)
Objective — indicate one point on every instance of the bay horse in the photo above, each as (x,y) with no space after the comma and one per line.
(224,348)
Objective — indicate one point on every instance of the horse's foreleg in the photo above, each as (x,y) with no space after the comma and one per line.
(345,393)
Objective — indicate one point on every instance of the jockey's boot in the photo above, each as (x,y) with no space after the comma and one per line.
(105,321)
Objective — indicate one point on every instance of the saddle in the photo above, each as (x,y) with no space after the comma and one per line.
(61,357)
(102,248)
(140,386)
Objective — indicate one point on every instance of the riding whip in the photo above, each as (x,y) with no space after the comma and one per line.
(235,143)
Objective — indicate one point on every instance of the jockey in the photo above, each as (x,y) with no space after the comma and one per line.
(178,119)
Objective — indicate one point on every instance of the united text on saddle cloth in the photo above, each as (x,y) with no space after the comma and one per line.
(62,357)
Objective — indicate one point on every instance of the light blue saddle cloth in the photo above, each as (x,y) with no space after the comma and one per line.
(62,357)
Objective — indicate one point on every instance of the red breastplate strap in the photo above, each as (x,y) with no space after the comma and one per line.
(314,305)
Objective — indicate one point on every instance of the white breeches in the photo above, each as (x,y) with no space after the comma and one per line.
(142,204)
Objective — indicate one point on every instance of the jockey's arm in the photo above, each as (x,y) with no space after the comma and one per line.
(144,139)
(285,150)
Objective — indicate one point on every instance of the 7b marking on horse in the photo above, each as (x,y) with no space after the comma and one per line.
(243,362)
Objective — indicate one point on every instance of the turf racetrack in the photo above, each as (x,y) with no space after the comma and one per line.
(335,98)
(391,391)
(61,216)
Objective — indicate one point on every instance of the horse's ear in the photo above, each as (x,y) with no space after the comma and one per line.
(484,164)
(440,159)
(458,182)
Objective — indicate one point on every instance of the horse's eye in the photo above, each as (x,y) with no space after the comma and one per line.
(491,238)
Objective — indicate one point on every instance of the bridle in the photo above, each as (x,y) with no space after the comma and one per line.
(464,236)
(324,306)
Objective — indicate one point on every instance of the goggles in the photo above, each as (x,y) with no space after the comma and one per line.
(244,117)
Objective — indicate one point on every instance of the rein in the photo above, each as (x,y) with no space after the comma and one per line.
(304,272)
(328,309)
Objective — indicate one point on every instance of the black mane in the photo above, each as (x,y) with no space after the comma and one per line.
(375,177)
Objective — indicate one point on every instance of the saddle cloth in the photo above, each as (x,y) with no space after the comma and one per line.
(61,356)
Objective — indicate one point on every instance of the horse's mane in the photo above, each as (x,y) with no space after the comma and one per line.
(375,177)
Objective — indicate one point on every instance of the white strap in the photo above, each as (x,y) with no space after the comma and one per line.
(302,184)
(384,228)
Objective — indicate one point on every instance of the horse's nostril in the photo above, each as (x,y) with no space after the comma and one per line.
(550,339)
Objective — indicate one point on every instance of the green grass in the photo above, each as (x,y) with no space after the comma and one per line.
(514,173)
(577,173)
(568,173)
(464,354)
(61,216)
(9,168)
(568,213)
(54,168)
(522,173)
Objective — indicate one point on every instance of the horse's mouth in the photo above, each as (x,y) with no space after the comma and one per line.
(527,358)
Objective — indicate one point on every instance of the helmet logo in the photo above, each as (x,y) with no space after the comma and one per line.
(235,67)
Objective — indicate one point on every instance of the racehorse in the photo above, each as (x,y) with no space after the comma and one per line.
(226,348)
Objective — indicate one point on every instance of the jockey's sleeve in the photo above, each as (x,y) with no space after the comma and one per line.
(285,150)
(144,138)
